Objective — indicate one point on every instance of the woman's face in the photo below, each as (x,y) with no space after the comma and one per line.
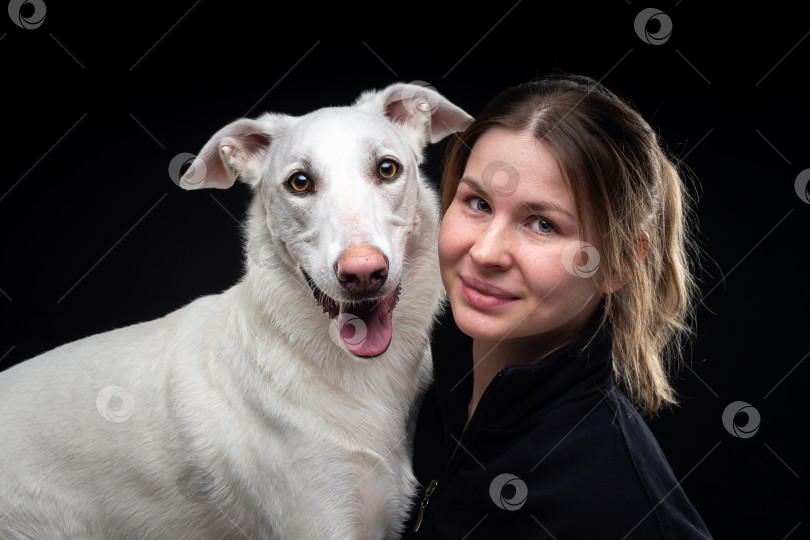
(512,261)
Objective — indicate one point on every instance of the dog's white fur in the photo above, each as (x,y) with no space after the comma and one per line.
(242,415)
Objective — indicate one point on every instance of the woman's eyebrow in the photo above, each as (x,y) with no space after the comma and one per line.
(545,206)
(475,186)
(531,206)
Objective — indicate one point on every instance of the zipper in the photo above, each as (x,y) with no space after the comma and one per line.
(453,462)
(428,492)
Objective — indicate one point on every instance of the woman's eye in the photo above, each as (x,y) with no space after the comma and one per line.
(479,204)
(300,183)
(543,225)
(388,169)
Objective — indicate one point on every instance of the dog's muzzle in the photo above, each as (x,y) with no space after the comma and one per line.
(366,325)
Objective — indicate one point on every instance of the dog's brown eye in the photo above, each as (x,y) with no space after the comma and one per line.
(388,169)
(299,183)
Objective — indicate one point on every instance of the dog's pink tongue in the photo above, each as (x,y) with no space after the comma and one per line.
(366,332)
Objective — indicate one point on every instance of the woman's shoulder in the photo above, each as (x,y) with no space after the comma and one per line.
(600,454)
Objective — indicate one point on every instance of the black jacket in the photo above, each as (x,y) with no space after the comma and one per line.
(554,450)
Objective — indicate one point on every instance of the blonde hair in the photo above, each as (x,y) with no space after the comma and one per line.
(614,164)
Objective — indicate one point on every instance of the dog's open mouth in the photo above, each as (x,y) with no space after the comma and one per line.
(366,326)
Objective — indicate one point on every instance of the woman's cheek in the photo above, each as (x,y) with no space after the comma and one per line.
(450,237)
(453,245)
(545,273)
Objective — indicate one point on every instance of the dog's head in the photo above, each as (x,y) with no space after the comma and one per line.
(341,190)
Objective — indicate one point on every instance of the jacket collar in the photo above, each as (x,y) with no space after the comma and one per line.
(520,393)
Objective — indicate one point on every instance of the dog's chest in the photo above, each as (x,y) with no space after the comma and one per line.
(321,489)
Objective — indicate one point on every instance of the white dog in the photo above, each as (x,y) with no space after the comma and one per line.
(279,408)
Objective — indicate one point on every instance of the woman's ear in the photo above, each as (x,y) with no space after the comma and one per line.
(618,279)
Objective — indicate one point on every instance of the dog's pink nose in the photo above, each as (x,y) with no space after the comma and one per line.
(362,269)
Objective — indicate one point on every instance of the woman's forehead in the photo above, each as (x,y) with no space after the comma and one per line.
(522,149)
(517,163)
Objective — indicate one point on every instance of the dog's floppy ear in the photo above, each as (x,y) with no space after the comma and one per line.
(237,150)
(419,107)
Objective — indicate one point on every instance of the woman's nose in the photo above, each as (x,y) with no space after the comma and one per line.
(491,248)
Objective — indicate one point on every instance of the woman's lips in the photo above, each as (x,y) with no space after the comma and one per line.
(484,295)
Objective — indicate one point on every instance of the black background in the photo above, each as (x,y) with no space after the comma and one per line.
(100,98)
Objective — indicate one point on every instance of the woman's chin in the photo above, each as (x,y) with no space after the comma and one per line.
(480,327)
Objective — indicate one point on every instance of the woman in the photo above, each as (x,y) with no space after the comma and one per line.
(563,253)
